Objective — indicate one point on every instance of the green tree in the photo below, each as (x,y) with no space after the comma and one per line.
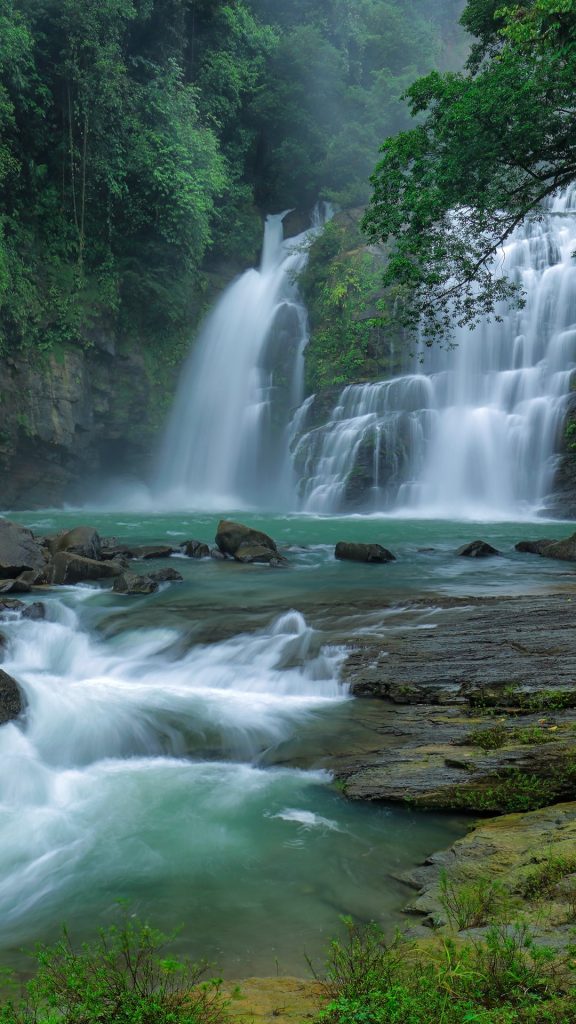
(491,145)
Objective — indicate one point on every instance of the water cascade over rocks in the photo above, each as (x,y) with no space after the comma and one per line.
(225,444)
(470,432)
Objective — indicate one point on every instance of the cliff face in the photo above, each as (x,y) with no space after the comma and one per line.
(71,417)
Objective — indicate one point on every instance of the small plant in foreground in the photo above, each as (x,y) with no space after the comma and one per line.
(544,878)
(124,977)
(473,903)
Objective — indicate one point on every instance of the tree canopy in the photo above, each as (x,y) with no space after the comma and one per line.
(491,144)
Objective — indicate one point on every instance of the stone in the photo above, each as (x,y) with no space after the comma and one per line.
(68,568)
(249,554)
(12,701)
(195,549)
(350,552)
(533,547)
(17,586)
(36,610)
(165,575)
(18,550)
(132,583)
(230,536)
(218,555)
(149,551)
(82,540)
(564,550)
(477,549)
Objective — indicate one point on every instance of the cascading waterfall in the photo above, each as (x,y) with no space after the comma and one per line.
(473,431)
(225,443)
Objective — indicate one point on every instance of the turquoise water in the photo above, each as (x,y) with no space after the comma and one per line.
(145,768)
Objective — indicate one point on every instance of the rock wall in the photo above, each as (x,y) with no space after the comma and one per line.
(73,416)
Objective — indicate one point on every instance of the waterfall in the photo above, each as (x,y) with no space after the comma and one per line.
(225,444)
(471,432)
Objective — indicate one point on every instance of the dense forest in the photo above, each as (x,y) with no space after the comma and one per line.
(142,140)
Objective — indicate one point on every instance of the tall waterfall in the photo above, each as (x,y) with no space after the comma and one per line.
(225,444)
(470,432)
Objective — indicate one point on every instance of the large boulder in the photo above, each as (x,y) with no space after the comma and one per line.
(231,536)
(82,540)
(17,586)
(12,701)
(347,551)
(195,549)
(132,583)
(477,549)
(18,550)
(564,549)
(68,568)
(533,547)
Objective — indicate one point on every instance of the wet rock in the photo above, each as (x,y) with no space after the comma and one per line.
(12,701)
(68,568)
(218,555)
(34,577)
(350,552)
(132,583)
(249,554)
(18,550)
(195,549)
(149,551)
(565,550)
(82,540)
(36,610)
(17,586)
(233,536)
(477,549)
(533,547)
(165,576)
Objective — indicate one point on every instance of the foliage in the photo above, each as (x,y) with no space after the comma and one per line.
(502,979)
(347,309)
(542,880)
(473,903)
(125,977)
(492,144)
(498,735)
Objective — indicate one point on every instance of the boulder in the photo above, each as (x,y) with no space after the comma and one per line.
(195,549)
(347,551)
(150,551)
(165,575)
(565,549)
(36,610)
(12,701)
(230,536)
(132,583)
(17,586)
(18,550)
(477,549)
(68,568)
(533,547)
(218,555)
(82,540)
(249,554)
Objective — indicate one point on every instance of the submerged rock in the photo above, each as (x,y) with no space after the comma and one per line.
(477,549)
(247,545)
(132,583)
(351,552)
(533,547)
(18,550)
(565,549)
(12,701)
(195,549)
(68,568)
(82,540)
(164,575)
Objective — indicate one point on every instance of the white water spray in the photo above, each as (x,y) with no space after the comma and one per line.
(472,432)
(225,443)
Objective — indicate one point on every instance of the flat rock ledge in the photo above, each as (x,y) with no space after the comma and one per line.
(523,864)
(477,714)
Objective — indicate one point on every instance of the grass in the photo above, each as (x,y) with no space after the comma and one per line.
(543,879)
(472,904)
(498,736)
(502,979)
